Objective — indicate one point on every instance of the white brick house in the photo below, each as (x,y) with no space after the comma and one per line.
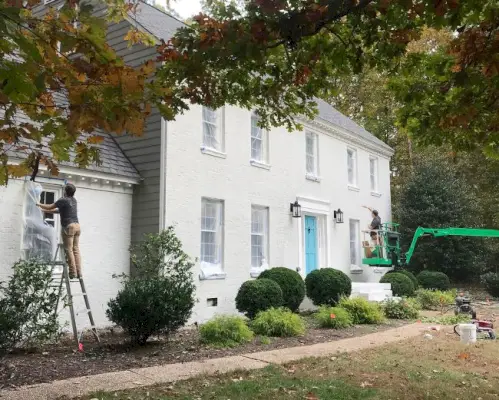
(226,186)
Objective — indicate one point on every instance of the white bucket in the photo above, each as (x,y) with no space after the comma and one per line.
(467,332)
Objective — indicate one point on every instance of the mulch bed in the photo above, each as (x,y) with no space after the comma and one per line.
(114,353)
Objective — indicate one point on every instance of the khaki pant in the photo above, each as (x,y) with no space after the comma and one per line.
(71,240)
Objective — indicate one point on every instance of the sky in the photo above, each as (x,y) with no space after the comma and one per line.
(186,8)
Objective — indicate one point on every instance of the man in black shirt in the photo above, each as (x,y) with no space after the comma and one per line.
(376,222)
(67,207)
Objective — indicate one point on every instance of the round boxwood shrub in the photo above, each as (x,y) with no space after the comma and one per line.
(491,282)
(258,295)
(433,280)
(326,286)
(291,284)
(407,273)
(401,284)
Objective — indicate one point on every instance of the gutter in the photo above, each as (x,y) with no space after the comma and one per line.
(162,177)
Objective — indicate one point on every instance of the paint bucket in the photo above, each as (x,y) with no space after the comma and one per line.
(467,332)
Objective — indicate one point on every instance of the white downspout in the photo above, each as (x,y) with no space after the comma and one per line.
(162,175)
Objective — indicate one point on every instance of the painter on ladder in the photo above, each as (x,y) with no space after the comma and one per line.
(67,207)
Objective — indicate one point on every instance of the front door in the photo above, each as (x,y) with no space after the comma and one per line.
(310,244)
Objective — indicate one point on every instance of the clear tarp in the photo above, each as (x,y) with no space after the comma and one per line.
(40,238)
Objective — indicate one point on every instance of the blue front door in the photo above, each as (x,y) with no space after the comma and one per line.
(310,244)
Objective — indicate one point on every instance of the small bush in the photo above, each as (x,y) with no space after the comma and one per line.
(491,282)
(326,286)
(291,284)
(362,311)
(401,284)
(433,280)
(28,316)
(333,317)
(446,319)
(278,322)
(258,295)
(435,299)
(403,309)
(409,274)
(225,331)
(160,297)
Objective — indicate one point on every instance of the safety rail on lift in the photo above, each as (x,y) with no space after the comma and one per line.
(385,250)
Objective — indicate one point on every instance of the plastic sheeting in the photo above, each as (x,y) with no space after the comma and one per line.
(40,238)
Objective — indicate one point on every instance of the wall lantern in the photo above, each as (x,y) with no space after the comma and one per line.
(295,209)
(338,216)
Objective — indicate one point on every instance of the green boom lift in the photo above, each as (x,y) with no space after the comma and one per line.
(388,253)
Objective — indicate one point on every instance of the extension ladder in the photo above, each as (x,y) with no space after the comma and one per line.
(58,279)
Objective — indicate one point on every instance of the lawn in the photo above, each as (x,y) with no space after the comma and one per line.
(440,368)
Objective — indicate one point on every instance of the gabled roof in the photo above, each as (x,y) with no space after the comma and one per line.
(163,26)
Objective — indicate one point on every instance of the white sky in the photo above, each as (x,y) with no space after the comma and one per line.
(186,8)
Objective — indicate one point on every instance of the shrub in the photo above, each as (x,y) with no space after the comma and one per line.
(258,295)
(291,284)
(403,309)
(279,322)
(225,331)
(409,274)
(362,311)
(333,317)
(433,280)
(401,284)
(326,286)
(159,298)
(28,303)
(491,282)
(435,299)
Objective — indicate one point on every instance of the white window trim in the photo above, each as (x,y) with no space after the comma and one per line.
(314,175)
(220,126)
(264,162)
(374,191)
(353,185)
(256,271)
(213,271)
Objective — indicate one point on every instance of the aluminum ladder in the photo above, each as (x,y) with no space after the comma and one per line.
(58,279)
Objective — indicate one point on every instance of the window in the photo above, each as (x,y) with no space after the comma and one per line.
(352,167)
(312,157)
(259,141)
(259,236)
(48,197)
(373,172)
(213,135)
(354,242)
(212,232)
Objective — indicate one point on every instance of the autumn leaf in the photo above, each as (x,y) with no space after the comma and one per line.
(463,356)
(95,139)
(311,396)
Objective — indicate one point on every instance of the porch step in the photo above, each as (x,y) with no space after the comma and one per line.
(374,296)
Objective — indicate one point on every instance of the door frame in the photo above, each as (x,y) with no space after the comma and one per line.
(321,210)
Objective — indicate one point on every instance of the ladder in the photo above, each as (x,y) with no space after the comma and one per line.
(58,279)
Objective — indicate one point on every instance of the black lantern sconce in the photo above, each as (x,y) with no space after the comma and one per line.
(338,216)
(295,209)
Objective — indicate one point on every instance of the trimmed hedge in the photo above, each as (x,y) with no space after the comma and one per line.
(258,295)
(291,284)
(401,284)
(407,273)
(326,286)
(491,282)
(433,280)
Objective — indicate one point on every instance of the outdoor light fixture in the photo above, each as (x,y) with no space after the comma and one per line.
(295,209)
(338,216)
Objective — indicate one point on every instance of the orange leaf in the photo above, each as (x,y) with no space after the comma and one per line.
(463,356)
(96,139)
(332,316)
(311,396)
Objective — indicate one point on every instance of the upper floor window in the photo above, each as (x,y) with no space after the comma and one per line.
(312,147)
(213,129)
(373,173)
(352,167)
(259,141)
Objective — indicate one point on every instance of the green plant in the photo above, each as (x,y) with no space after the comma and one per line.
(258,295)
(362,311)
(291,284)
(333,317)
(407,273)
(403,309)
(433,280)
(446,319)
(159,298)
(28,307)
(491,282)
(326,286)
(225,331)
(278,322)
(435,299)
(401,284)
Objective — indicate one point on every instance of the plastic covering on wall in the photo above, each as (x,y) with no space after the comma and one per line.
(40,238)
